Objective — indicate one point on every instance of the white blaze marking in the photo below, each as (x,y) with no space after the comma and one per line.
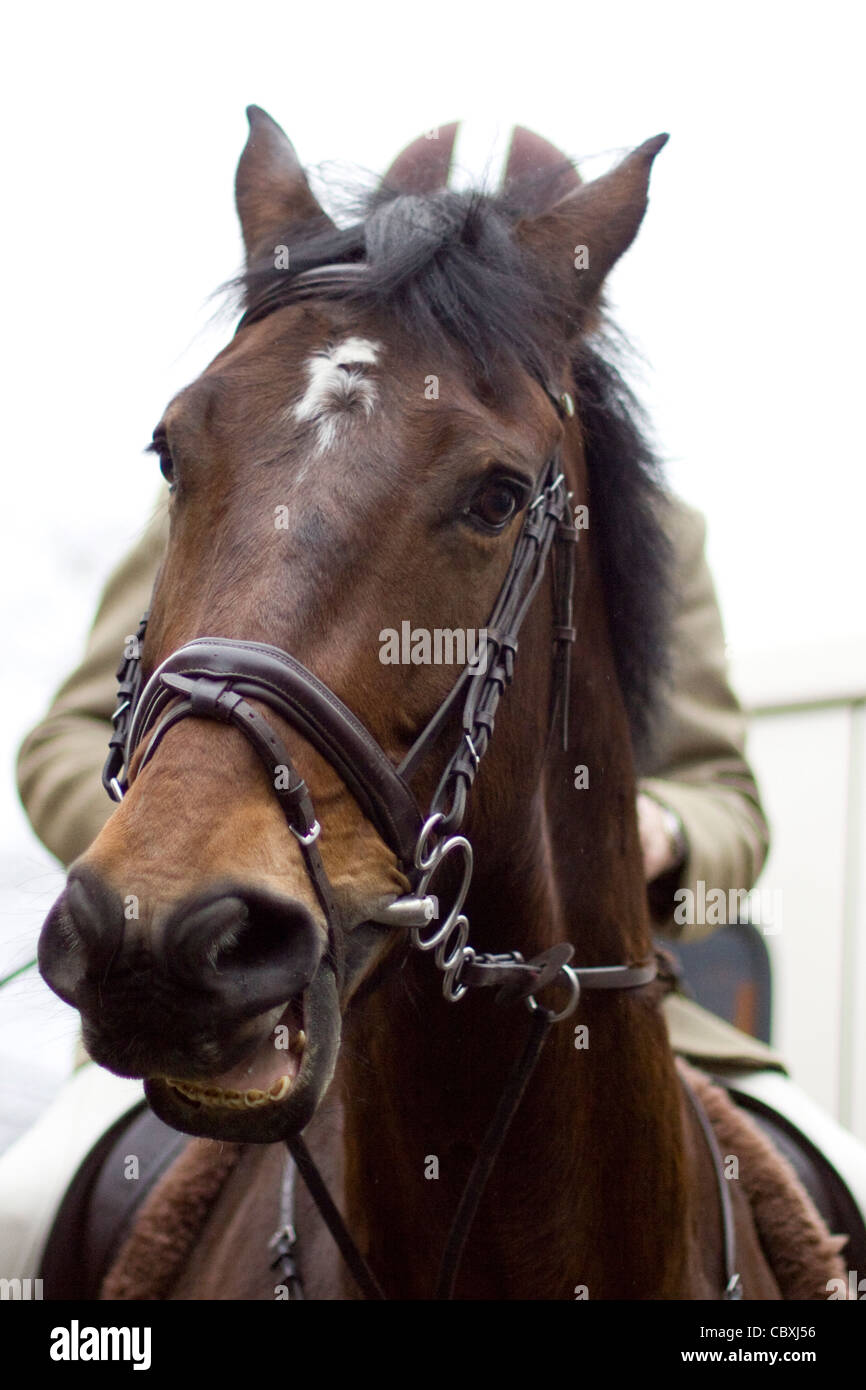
(338,387)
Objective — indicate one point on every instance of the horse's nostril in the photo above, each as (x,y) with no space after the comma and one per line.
(250,951)
(202,937)
(94,914)
(81,934)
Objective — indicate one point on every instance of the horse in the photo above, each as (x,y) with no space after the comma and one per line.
(450,1016)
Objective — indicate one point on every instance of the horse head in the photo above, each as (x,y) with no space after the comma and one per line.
(351,476)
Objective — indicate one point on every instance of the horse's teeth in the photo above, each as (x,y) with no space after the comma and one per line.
(298,1042)
(215,1097)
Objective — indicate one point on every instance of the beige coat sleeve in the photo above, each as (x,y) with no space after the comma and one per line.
(60,762)
(699,768)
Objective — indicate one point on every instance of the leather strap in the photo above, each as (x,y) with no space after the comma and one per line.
(461,1225)
(484,687)
(494,1138)
(318,1190)
(518,979)
(257,671)
(212,699)
(305,285)
(733,1289)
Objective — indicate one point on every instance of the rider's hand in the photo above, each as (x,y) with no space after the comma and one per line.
(661,837)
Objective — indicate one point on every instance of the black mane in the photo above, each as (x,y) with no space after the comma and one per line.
(447,266)
(629,518)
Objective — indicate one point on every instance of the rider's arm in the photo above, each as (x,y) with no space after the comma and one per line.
(699,770)
(60,760)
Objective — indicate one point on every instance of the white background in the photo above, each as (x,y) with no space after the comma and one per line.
(123,125)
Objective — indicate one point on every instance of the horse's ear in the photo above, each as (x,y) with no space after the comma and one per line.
(271,190)
(583,235)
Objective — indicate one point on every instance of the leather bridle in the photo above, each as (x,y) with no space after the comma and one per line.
(216,678)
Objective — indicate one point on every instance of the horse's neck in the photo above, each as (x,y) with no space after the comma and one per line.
(588,1189)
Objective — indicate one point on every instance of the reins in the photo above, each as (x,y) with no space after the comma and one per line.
(518,1079)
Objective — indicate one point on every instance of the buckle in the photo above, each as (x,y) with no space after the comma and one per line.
(311,836)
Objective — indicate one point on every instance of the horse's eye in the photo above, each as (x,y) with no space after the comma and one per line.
(166,466)
(495,503)
(159,446)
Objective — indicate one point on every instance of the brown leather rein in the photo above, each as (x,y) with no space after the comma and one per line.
(215,678)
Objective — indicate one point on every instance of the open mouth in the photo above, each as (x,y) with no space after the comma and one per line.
(273,1093)
(265,1080)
